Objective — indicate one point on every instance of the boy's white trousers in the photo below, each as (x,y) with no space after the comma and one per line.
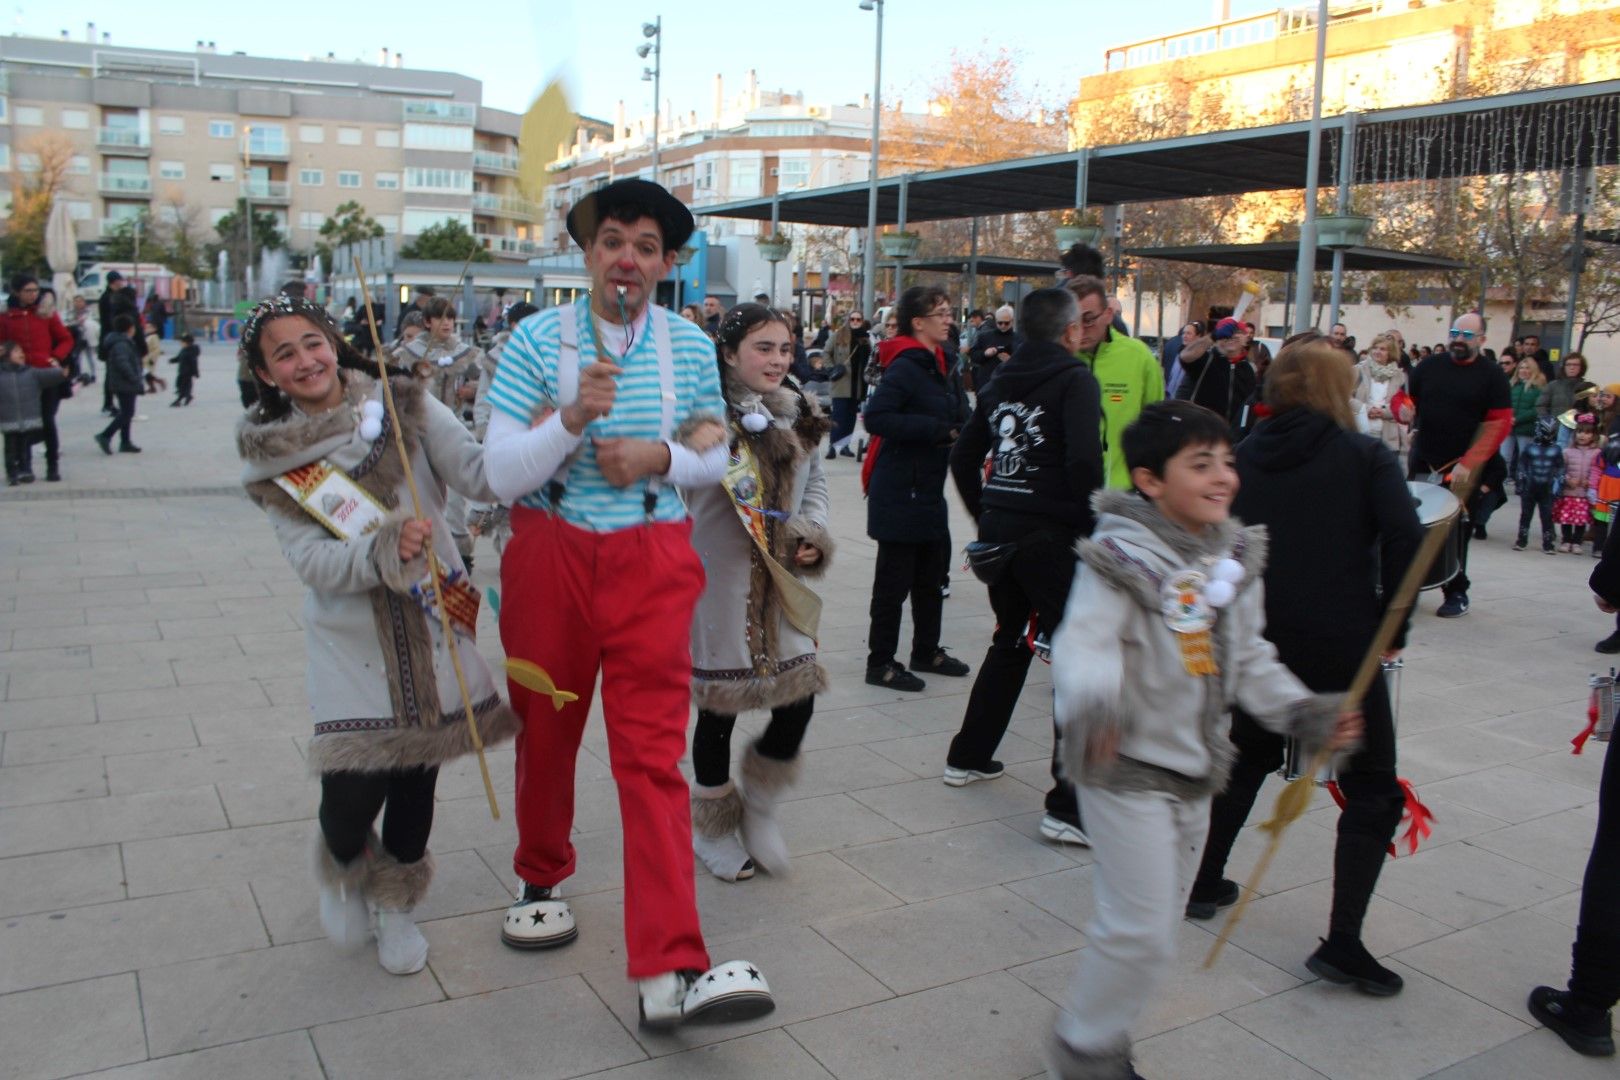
(1147,845)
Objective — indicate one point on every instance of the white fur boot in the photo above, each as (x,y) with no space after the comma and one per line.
(763,782)
(343,903)
(716,813)
(395,889)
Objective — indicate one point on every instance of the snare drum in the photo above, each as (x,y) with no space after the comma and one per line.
(1438,508)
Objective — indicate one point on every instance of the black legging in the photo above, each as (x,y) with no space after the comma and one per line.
(49,399)
(1595,977)
(1373,805)
(711,739)
(350,801)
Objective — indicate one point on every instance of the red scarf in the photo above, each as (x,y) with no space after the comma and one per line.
(887,350)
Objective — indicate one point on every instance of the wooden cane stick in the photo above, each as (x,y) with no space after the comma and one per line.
(434,566)
(1295,798)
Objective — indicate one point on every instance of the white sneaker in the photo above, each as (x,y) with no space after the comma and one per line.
(663,998)
(538,919)
(344,915)
(1056,829)
(401,948)
(962,777)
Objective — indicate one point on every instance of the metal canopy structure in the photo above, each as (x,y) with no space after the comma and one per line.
(1554,129)
(1281,257)
(993,265)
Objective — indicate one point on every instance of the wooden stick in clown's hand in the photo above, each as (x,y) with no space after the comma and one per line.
(1295,797)
(436,569)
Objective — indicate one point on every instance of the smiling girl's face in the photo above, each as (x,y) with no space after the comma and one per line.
(763,357)
(300,362)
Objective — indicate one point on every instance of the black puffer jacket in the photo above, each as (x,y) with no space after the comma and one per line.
(991,336)
(123,364)
(915,410)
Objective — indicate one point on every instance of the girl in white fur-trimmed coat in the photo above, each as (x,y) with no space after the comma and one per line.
(753,637)
(382,687)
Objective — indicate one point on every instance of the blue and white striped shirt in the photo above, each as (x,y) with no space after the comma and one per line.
(526,382)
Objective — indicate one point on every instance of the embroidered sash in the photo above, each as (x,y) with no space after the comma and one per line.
(800,604)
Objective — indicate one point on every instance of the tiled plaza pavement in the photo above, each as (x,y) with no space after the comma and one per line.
(157,917)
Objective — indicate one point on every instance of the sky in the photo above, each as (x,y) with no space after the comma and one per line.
(824,49)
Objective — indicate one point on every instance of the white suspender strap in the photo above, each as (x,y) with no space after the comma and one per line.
(567,393)
(658,327)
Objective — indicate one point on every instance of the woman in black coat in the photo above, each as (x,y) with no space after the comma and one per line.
(917,411)
(1341,524)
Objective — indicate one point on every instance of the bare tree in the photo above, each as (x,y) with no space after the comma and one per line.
(33,192)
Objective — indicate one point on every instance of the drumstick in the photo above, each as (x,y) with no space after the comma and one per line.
(1295,797)
(434,566)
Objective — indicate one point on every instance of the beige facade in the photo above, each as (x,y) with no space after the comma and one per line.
(185,135)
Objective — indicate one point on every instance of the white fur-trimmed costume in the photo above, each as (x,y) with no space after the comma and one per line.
(382,687)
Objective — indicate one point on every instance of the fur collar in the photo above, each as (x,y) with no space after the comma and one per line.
(271,447)
(797,423)
(1126,549)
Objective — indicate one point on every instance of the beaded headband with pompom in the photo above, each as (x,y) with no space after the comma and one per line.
(276,307)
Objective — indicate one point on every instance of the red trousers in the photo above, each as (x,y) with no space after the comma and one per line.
(575,602)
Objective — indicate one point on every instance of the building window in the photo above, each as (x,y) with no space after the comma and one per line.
(171,125)
(420,179)
(349,179)
(389,223)
(744,177)
(388,138)
(793,173)
(222,129)
(311,133)
(34,116)
(350,136)
(222,172)
(5,157)
(27,162)
(311,219)
(79,165)
(387,181)
(311,178)
(216,214)
(75,119)
(171,170)
(438,137)
(418,220)
(79,210)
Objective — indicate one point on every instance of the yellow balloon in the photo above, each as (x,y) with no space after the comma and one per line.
(549,122)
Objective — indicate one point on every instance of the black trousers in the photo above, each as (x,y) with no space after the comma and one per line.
(780,741)
(1595,975)
(17,453)
(122,418)
(1035,587)
(350,802)
(1374,803)
(182,388)
(1462,531)
(843,419)
(903,569)
(1531,500)
(49,399)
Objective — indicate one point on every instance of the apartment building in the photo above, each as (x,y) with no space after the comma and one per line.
(187,133)
(1380,54)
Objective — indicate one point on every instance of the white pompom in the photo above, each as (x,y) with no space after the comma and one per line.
(371,407)
(1219,593)
(1228,570)
(755,423)
(446,360)
(370,428)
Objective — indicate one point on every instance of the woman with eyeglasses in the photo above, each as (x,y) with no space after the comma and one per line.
(848,351)
(914,416)
(1559,397)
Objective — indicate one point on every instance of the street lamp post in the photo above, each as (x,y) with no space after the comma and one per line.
(654,32)
(869,264)
(1305,272)
(247,208)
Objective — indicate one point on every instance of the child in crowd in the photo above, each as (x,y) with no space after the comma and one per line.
(321,459)
(1583,465)
(21,418)
(1164,628)
(818,383)
(123,359)
(1539,480)
(187,359)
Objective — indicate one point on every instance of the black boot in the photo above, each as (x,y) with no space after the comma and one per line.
(1345,960)
(1610,644)
(1523,541)
(1588,1030)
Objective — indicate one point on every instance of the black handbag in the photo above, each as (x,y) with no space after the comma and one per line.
(989,561)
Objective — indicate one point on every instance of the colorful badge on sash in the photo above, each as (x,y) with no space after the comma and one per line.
(328,495)
(1189,600)
(461,600)
(800,605)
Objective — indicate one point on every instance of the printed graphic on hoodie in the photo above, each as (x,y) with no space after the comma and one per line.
(1016,427)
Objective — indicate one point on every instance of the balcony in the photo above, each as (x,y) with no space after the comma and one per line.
(123,140)
(268,147)
(490,161)
(125,185)
(267,191)
(425,110)
(508,206)
(513,246)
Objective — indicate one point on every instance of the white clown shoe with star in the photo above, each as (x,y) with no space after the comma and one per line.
(731,992)
(538,919)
